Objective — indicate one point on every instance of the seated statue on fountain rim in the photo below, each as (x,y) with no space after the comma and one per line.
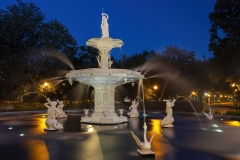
(51,122)
(133,110)
(60,113)
(168,120)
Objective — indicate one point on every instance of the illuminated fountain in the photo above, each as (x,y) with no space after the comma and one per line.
(104,80)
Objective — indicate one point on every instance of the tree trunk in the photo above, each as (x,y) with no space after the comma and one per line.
(161,97)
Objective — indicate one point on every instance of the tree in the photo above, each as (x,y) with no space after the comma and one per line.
(174,60)
(19,27)
(225,39)
(133,61)
(57,48)
(86,58)
(25,41)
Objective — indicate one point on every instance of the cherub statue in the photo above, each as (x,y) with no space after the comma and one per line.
(51,122)
(60,113)
(109,61)
(133,109)
(168,120)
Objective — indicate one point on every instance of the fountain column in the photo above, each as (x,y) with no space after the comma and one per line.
(104,102)
(104,97)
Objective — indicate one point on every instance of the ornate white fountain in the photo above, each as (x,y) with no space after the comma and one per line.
(104,79)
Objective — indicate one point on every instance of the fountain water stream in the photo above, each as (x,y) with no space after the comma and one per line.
(31,93)
(193,109)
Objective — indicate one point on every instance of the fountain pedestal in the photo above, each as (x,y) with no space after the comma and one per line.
(104,109)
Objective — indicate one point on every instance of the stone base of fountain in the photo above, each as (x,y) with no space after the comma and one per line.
(149,152)
(52,125)
(133,116)
(167,125)
(61,117)
(100,118)
(51,129)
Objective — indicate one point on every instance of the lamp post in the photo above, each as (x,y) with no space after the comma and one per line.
(45,87)
(233,85)
(155,87)
(193,95)
(209,99)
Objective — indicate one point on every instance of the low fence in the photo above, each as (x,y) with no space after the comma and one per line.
(161,106)
(220,109)
(183,106)
(22,107)
(6,107)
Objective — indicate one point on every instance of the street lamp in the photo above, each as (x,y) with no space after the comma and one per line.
(193,95)
(45,87)
(155,87)
(233,85)
(209,99)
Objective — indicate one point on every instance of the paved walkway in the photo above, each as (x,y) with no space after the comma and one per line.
(22,137)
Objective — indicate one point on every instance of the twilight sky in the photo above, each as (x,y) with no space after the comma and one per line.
(140,24)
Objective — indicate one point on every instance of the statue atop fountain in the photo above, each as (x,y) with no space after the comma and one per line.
(133,110)
(60,113)
(104,79)
(104,44)
(168,120)
(104,25)
(51,122)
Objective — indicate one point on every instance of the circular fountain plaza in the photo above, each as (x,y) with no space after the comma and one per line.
(22,136)
(106,135)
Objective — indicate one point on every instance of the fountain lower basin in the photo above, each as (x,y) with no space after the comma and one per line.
(104,82)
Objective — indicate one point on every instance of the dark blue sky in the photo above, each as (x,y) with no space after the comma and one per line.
(140,24)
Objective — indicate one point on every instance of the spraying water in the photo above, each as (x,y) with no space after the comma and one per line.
(138,97)
(30,93)
(58,55)
(144,115)
(192,107)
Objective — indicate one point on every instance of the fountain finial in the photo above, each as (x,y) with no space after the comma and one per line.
(104,25)
(104,44)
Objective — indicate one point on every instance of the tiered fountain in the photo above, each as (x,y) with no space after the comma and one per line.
(104,79)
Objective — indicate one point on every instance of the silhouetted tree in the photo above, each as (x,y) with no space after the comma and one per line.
(24,40)
(225,39)
(86,58)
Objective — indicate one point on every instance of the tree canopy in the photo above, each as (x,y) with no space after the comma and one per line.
(225,39)
(25,40)
(33,50)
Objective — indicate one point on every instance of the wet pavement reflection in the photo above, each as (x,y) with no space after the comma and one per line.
(23,137)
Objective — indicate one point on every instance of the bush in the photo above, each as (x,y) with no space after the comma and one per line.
(234,113)
(157,105)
